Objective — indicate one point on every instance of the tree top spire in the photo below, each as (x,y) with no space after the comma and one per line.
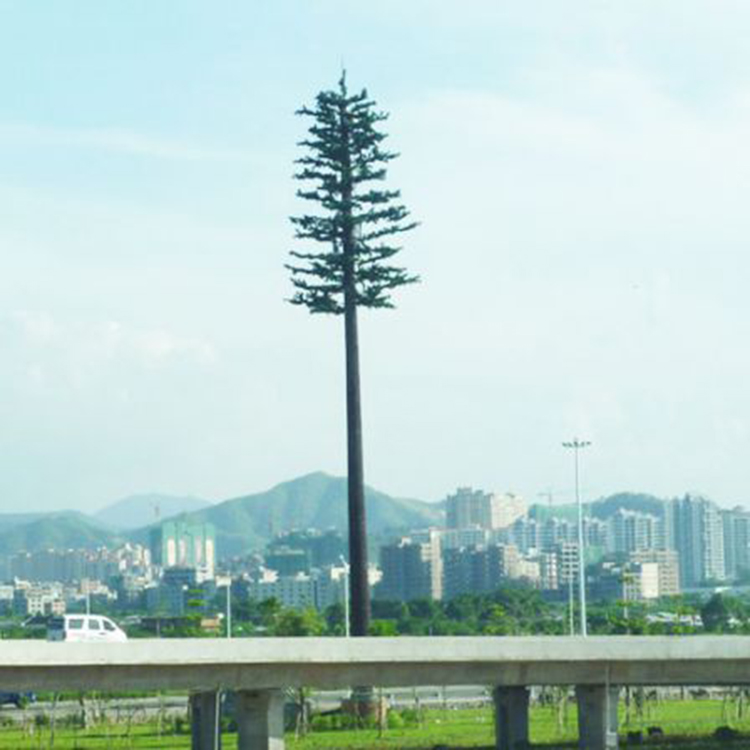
(342,168)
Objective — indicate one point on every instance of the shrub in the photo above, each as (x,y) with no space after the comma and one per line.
(321,723)
(726,734)
(73,721)
(41,720)
(395,720)
(410,716)
(228,725)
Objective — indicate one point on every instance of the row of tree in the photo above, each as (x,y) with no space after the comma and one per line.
(511,610)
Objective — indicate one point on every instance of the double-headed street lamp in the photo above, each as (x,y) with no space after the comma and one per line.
(576,445)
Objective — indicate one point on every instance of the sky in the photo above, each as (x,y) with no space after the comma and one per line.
(580,172)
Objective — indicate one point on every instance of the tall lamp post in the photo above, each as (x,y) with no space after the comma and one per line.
(346,595)
(576,445)
(229,608)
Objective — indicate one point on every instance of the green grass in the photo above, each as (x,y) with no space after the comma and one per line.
(141,737)
(687,724)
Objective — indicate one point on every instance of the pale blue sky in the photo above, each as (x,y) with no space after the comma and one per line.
(581,171)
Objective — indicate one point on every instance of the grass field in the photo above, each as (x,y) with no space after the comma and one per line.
(688,723)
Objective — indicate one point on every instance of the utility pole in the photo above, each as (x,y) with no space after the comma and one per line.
(576,445)
(346,596)
(571,601)
(229,608)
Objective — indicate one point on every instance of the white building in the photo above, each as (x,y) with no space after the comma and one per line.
(319,589)
(468,508)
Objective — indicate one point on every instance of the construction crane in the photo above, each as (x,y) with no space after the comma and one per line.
(549,495)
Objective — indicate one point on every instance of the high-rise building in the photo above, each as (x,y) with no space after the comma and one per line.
(432,540)
(71,565)
(698,534)
(467,537)
(567,563)
(555,531)
(526,534)
(321,547)
(632,531)
(287,561)
(594,532)
(632,581)
(477,570)
(548,571)
(668,568)
(642,582)
(736,526)
(185,545)
(411,570)
(468,507)
(505,509)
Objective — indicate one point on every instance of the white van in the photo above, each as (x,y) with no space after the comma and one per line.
(85,628)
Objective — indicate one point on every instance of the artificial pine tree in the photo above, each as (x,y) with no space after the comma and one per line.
(357,220)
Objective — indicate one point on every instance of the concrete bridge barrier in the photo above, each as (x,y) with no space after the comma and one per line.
(259,668)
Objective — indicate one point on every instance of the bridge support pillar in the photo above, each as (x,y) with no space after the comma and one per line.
(260,720)
(204,710)
(597,716)
(511,717)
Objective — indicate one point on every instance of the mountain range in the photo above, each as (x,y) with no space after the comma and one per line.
(65,530)
(243,524)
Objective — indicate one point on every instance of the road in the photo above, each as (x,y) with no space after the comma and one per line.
(141,709)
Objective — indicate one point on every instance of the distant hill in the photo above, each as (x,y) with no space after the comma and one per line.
(603,507)
(140,510)
(542,512)
(11,520)
(59,530)
(318,500)
(639,501)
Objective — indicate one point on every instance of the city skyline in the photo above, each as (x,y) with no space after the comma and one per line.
(579,178)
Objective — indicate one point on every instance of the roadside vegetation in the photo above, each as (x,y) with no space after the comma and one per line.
(510,610)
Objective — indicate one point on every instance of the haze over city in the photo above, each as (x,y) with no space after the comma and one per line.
(579,171)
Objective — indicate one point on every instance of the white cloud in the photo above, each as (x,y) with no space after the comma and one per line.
(604,151)
(158,346)
(36,326)
(81,352)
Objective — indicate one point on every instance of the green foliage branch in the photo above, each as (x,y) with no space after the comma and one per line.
(343,164)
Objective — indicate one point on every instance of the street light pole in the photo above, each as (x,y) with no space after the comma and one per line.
(576,445)
(571,600)
(346,595)
(229,608)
